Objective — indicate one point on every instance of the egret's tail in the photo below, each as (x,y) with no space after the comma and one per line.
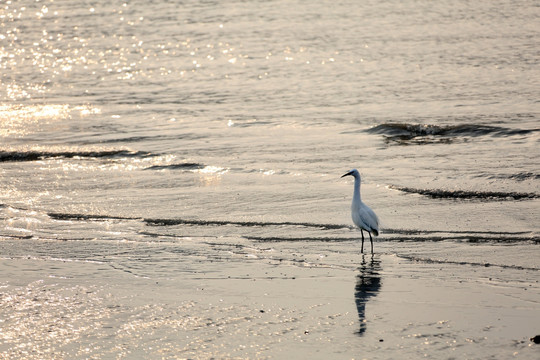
(375,232)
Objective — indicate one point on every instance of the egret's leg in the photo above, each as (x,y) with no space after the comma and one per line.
(362,248)
(371,239)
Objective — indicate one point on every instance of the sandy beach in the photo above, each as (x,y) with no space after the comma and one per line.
(341,306)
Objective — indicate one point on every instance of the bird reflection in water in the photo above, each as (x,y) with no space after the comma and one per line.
(368,284)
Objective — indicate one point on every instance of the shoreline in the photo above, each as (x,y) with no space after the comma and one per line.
(388,307)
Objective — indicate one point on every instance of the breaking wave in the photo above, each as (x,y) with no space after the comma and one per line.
(463,194)
(36,155)
(404,133)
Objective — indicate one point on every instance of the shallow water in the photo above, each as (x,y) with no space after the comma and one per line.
(153,137)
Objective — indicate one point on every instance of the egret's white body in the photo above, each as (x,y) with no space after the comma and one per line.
(362,215)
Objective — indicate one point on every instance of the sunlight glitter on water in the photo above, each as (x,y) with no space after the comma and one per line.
(212,170)
(20,120)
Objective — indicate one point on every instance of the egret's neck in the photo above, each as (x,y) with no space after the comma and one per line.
(356,195)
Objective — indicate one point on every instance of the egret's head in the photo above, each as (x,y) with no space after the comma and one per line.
(353,172)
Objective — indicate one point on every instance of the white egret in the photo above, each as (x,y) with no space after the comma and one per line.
(362,215)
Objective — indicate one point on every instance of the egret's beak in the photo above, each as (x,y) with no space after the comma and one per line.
(349,173)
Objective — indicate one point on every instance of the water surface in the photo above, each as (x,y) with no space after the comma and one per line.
(156,137)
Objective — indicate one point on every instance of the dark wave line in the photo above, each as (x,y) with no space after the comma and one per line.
(20,156)
(435,261)
(406,234)
(181,166)
(87,217)
(474,239)
(523,176)
(134,139)
(297,239)
(174,236)
(18,237)
(462,194)
(130,139)
(420,232)
(172,222)
(469,239)
(472,130)
(468,236)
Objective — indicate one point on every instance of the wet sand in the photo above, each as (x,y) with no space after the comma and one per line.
(341,305)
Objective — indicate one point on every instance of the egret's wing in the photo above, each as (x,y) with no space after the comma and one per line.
(369,219)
